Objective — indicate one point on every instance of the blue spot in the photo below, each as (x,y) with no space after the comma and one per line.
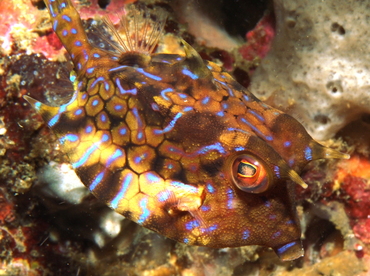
(230,198)
(64,32)
(284,248)
(210,188)
(209,67)
(123,131)
(79,66)
(78,43)
(182,96)
(106,86)
(164,91)
(154,77)
(290,222)
(95,102)
(308,153)
(118,107)
(205,100)
(205,208)
(66,18)
(90,70)
(186,240)
(287,144)
(38,105)
(220,113)
(190,74)
(121,194)
(246,234)
(103,118)
(140,135)
(276,235)
(96,55)
(212,228)
(170,167)
(144,211)
(277,171)
(225,106)
(78,112)
(105,137)
(291,162)
(73,31)
(72,78)
(88,129)
(267,203)
(62,5)
(246,98)
(239,148)
(69,137)
(155,107)
(187,109)
(191,225)
(138,159)
(96,181)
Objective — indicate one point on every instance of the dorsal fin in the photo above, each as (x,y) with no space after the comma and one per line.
(194,62)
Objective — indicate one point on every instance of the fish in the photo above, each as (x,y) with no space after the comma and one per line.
(175,144)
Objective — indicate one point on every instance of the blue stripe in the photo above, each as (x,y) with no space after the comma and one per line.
(154,77)
(86,156)
(145,211)
(96,181)
(121,194)
(170,126)
(190,74)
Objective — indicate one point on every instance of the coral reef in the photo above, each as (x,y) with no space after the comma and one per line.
(49,227)
(317,69)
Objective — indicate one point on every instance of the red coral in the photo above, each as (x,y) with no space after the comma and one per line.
(259,39)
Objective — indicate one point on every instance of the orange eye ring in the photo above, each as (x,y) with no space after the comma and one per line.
(250,175)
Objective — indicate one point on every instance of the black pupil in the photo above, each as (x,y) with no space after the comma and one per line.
(246,169)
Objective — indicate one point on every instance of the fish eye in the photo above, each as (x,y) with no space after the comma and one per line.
(251,175)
